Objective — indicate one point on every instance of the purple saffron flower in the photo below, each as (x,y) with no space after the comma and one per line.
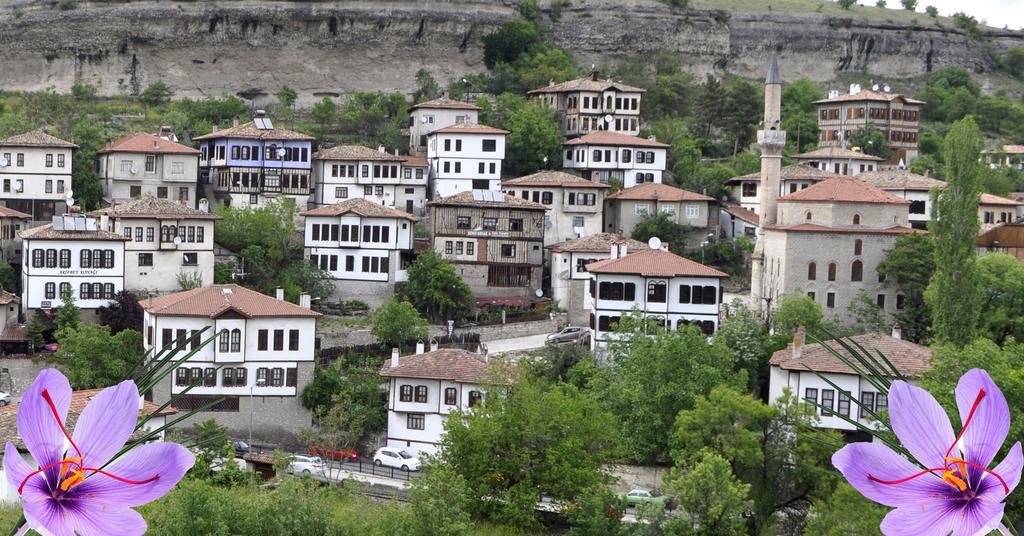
(74,490)
(956,492)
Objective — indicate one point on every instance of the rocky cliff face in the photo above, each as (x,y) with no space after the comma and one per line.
(318,48)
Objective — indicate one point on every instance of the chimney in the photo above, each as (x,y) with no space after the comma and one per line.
(798,342)
(623,249)
(260,114)
(854,89)
(104,222)
(419,347)
(165,132)
(305,301)
(614,251)
(833,93)
(897,332)
(279,293)
(381,149)
(396,151)
(204,205)
(434,345)
(664,246)
(234,122)
(156,144)
(394,357)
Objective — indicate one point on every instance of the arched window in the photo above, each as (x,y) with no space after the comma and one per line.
(807,216)
(856,219)
(223,341)
(857,271)
(812,271)
(236,340)
(858,246)
(831,271)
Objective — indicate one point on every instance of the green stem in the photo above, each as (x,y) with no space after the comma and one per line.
(1006,528)
(20,527)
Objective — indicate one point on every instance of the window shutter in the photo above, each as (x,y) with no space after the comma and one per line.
(293,377)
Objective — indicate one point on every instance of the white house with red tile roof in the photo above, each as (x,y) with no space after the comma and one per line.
(426,117)
(464,157)
(568,265)
(791,368)
(840,160)
(590,104)
(260,361)
(628,207)
(346,172)
(603,156)
(576,204)
(791,178)
(424,388)
(364,246)
(673,290)
(35,174)
(141,164)
(1005,155)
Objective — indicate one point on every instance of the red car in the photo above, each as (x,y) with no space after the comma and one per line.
(344,455)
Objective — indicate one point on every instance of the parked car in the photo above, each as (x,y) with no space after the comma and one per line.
(568,334)
(241,447)
(5,398)
(342,455)
(637,497)
(306,465)
(394,457)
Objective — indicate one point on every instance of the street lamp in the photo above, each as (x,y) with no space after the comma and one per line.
(252,408)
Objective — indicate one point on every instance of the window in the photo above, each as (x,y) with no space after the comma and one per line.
(21,159)
(190,259)
(276,377)
(858,246)
(881,403)
(827,396)
(293,340)
(867,404)
(515,224)
(641,209)
(812,271)
(60,160)
(692,211)
(856,219)
(421,394)
(450,396)
(469,248)
(857,271)
(196,376)
(880,300)
(236,340)
(489,146)
(65,258)
(341,192)
(151,162)
(899,302)
(222,341)
(415,421)
(844,404)
(616,291)
(150,234)
(145,259)
(405,393)
(51,291)
(577,221)
(831,271)
(48,188)
(210,377)
(161,192)
(278,340)
(830,300)
(37,258)
(508,250)
(462,222)
(811,395)
(490,224)
(228,377)
(657,291)
(51,258)
(546,198)
(181,377)
(261,375)
(917,207)
(474,398)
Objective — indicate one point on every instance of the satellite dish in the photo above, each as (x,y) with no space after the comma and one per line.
(538,293)
(874,87)
(886,88)
(71,201)
(654,243)
(280,152)
(423,119)
(608,118)
(3,162)
(177,240)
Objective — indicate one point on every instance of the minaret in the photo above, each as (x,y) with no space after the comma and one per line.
(771,139)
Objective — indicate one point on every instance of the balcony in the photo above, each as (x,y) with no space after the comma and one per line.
(771,138)
(295,191)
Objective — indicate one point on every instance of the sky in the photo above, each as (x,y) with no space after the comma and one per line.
(997,13)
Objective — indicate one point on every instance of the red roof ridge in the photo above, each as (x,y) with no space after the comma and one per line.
(654,263)
(844,190)
(660,192)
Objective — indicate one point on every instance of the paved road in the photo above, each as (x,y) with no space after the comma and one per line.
(518,343)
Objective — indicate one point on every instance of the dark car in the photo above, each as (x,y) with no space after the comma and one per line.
(241,447)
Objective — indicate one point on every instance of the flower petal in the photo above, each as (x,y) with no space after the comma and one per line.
(1009,470)
(987,430)
(43,514)
(168,460)
(122,521)
(858,460)
(107,423)
(980,518)
(939,517)
(36,424)
(15,467)
(920,423)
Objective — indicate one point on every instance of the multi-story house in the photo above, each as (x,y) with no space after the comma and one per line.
(605,156)
(734,221)
(626,208)
(796,177)
(800,368)
(167,244)
(426,117)
(667,289)
(143,164)
(839,160)
(895,115)
(827,243)
(588,105)
(576,204)
(346,172)
(995,210)
(35,174)
(495,240)
(1011,156)
(569,275)
(248,164)
(465,157)
(74,253)
(364,246)
(11,224)
(424,388)
(259,360)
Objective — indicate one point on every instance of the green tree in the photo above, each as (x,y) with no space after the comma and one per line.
(324,113)
(83,92)
(124,312)
(426,87)
(1013,62)
(866,316)
(687,367)
(510,41)
(845,513)
(286,98)
(89,136)
(908,267)
(965,22)
(440,503)
(909,5)
(552,440)
(954,290)
(347,401)
(90,356)
(795,311)
(436,290)
(743,106)
(880,3)
(871,141)
(747,337)
(710,105)
(846,4)
(661,225)
(374,119)
(713,499)
(67,315)
(397,324)
(534,141)
(932,11)
(9,278)
(1002,306)
(156,94)
(800,114)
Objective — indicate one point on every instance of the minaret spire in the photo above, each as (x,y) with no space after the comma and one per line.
(771,138)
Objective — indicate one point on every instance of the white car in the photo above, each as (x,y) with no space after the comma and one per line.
(5,398)
(306,465)
(397,458)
